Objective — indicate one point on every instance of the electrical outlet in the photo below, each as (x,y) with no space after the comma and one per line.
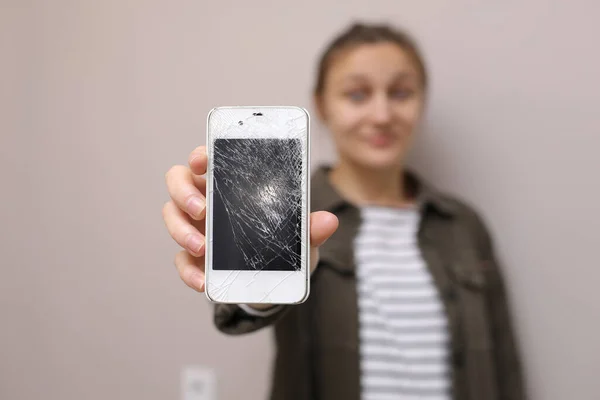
(198,383)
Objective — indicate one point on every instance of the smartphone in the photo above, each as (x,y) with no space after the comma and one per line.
(257,193)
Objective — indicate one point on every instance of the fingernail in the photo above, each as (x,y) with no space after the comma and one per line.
(197,281)
(195,243)
(195,206)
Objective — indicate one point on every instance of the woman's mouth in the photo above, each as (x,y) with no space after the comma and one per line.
(381,140)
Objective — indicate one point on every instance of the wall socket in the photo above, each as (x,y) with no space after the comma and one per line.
(198,383)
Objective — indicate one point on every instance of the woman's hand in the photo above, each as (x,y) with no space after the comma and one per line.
(184,216)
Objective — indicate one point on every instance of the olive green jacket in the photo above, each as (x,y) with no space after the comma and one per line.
(317,341)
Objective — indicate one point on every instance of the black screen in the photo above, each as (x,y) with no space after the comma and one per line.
(257,204)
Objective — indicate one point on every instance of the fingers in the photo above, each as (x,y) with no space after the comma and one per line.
(322,226)
(191,270)
(198,160)
(184,192)
(198,163)
(180,229)
(187,187)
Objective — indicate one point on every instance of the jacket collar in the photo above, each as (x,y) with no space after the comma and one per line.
(325,197)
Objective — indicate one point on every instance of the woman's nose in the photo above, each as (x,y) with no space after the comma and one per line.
(381,112)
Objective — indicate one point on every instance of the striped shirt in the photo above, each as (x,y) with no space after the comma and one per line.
(404,337)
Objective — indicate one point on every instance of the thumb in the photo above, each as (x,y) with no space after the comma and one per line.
(322,226)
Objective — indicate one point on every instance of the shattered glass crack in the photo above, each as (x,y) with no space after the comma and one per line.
(259,183)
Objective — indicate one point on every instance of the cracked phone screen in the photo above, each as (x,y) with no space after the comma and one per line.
(257,204)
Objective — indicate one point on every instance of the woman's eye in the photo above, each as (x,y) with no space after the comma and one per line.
(401,94)
(357,96)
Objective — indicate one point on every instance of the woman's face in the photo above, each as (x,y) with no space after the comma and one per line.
(371,102)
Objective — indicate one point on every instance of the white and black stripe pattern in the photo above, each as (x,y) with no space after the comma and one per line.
(403,328)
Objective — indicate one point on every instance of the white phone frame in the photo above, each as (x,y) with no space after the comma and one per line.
(266,287)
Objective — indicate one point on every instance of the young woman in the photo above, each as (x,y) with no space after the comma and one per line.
(407,300)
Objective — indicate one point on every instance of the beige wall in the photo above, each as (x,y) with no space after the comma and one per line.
(100,98)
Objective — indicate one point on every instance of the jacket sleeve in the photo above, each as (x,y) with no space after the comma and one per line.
(506,353)
(233,320)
